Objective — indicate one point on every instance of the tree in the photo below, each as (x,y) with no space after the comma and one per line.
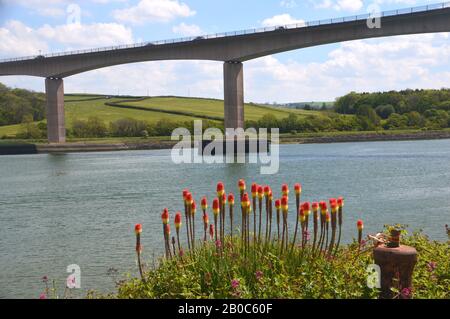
(384,111)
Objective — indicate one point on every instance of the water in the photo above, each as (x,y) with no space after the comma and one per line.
(57,210)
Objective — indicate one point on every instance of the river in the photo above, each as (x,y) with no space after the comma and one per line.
(80,208)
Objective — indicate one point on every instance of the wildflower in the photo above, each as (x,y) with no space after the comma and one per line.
(188,199)
(241,185)
(42,296)
(220,189)
(245,201)
(298,189)
(260,192)
(137,230)
(284,203)
(277,204)
(204,203)
(266,191)
(218,244)
(206,219)
(44,279)
(254,190)
(360,224)
(224,198)
(185,192)
(235,283)
(177,220)
(167,229)
(302,214)
(340,202)
(165,216)
(431,266)
(285,190)
(306,235)
(216,206)
(231,199)
(258,275)
(333,205)
(307,208)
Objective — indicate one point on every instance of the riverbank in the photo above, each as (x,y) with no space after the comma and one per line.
(9,147)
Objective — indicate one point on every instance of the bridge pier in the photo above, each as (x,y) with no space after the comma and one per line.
(56,129)
(233,78)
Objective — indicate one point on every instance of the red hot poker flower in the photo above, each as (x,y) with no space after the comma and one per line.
(220,189)
(216,206)
(340,202)
(285,189)
(323,207)
(224,198)
(241,185)
(277,204)
(260,192)
(327,217)
(178,220)
(231,199)
(333,205)
(205,219)
(254,190)
(138,229)
(245,200)
(165,216)
(193,207)
(315,206)
(188,199)
(284,203)
(270,195)
(302,214)
(204,203)
(298,189)
(185,192)
(266,191)
(360,224)
(307,208)
(167,229)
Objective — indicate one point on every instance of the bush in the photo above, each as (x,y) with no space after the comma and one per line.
(129,127)
(93,127)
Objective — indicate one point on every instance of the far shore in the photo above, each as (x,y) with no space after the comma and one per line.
(10,147)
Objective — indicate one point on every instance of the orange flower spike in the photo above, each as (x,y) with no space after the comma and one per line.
(333,205)
(188,198)
(285,190)
(302,214)
(245,201)
(284,203)
(224,198)
(204,203)
(270,195)
(323,208)
(241,185)
(260,192)
(185,192)
(216,206)
(177,220)
(340,202)
(315,207)
(327,217)
(220,189)
(231,199)
(307,208)
(266,191)
(278,204)
(165,216)
(193,207)
(254,190)
(360,225)
(205,219)
(298,189)
(138,229)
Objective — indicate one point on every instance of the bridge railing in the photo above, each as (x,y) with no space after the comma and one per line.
(390,13)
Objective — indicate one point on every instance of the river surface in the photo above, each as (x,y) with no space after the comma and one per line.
(80,208)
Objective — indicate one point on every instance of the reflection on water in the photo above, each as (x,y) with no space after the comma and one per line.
(57,210)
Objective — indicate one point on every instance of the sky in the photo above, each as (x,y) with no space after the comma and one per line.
(322,73)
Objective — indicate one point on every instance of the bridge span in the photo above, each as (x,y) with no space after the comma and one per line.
(231,48)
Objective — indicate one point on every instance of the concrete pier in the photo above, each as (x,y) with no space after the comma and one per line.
(56,130)
(233,78)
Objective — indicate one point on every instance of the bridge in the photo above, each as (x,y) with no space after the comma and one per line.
(232,48)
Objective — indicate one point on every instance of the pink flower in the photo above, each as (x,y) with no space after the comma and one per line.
(259,275)
(235,283)
(45,279)
(218,244)
(42,296)
(181,253)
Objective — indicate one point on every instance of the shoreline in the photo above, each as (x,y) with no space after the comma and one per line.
(23,148)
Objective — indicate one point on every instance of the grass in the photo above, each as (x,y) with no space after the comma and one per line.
(83,106)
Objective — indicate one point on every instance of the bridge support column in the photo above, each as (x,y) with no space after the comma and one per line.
(233,78)
(56,129)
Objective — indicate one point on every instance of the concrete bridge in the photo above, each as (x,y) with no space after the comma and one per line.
(232,48)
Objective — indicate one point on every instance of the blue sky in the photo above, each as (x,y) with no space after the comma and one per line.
(28,27)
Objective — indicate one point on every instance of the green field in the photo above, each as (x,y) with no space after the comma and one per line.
(82,106)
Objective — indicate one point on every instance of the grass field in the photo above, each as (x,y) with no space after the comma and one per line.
(82,106)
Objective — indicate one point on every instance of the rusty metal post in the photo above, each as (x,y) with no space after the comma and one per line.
(395,261)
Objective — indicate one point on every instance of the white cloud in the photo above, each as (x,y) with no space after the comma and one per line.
(187,29)
(281,19)
(20,40)
(149,11)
